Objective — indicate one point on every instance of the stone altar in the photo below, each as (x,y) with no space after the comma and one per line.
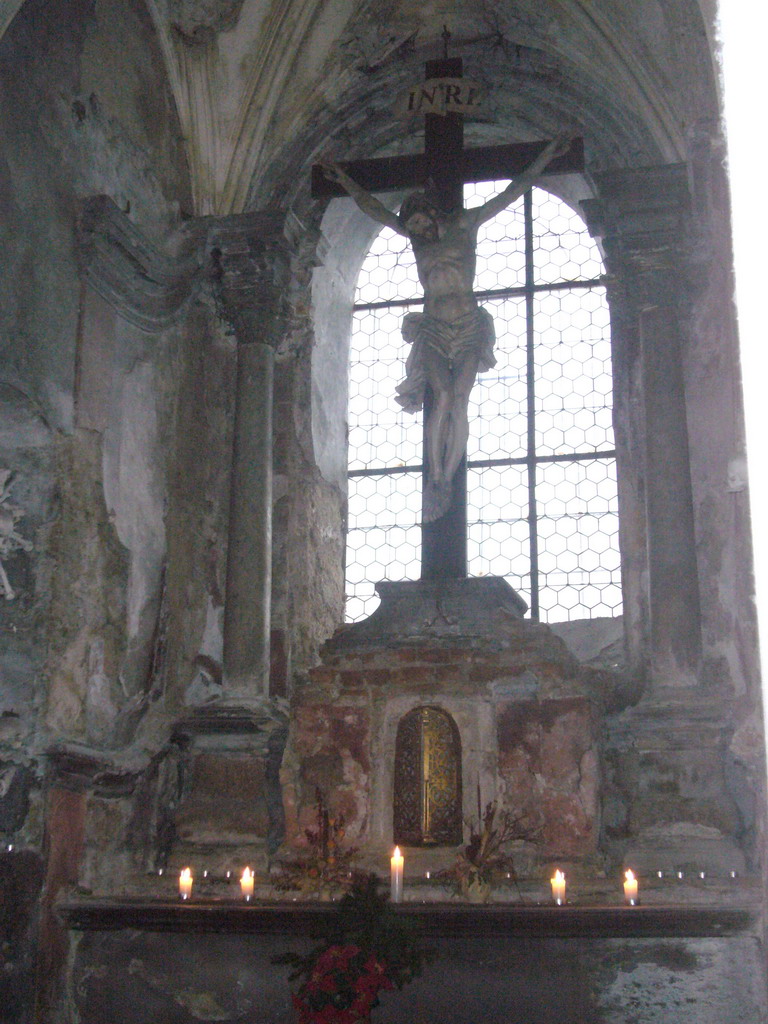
(527,715)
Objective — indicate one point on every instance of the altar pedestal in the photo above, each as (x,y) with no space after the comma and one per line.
(525,714)
(153,961)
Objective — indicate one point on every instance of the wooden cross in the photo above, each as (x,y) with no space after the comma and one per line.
(447,167)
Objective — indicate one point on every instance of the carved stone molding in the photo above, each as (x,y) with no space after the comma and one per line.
(472,608)
(244,258)
(639,207)
(147,286)
(435,919)
(642,218)
(78,767)
(249,265)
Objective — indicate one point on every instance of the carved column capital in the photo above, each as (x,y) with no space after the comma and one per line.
(249,266)
(639,209)
(244,257)
(642,217)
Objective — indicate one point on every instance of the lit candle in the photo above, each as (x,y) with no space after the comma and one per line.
(246,885)
(185,884)
(396,875)
(630,888)
(558,888)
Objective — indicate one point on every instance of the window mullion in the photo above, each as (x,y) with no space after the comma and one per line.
(533,533)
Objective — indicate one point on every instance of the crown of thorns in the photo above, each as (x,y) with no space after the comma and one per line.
(416,202)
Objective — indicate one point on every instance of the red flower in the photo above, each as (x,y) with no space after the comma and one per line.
(325,1016)
(342,987)
(334,957)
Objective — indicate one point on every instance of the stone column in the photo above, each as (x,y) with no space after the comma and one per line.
(667,795)
(249,554)
(641,218)
(229,750)
(249,266)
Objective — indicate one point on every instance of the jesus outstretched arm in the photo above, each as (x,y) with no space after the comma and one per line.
(452,340)
(519,185)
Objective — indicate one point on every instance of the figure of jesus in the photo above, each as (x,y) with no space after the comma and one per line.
(452,340)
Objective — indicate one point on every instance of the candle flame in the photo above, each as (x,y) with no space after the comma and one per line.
(247,875)
(397,851)
(185,883)
(629,875)
(559,877)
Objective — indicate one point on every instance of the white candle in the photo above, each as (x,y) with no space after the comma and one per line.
(630,888)
(185,884)
(246,885)
(558,888)
(396,875)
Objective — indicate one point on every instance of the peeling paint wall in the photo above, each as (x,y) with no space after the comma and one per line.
(84,109)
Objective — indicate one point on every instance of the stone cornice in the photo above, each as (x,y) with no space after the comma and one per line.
(641,213)
(79,768)
(643,219)
(147,286)
(244,258)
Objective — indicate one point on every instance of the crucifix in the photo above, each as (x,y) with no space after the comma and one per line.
(453,339)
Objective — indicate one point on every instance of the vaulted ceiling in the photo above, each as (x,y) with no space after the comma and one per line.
(263,86)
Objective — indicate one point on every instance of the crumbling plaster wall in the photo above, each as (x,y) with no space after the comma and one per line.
(197,508)
(84,110)
(308,574)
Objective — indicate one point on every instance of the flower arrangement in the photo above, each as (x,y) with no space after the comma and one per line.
(484,862)
(368,949)
(327,865)
(342,988)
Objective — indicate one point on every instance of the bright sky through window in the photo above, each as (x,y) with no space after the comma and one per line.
(542,506)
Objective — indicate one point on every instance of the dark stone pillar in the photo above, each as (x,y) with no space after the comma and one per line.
(641,218)
(249,557)
(249,263)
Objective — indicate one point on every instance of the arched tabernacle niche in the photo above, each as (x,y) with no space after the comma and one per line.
(427,790)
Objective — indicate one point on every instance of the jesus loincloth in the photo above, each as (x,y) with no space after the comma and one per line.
(472,333)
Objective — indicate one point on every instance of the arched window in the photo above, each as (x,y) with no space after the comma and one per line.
(541,487)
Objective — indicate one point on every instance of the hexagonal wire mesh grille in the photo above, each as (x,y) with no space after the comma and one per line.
(542,503)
